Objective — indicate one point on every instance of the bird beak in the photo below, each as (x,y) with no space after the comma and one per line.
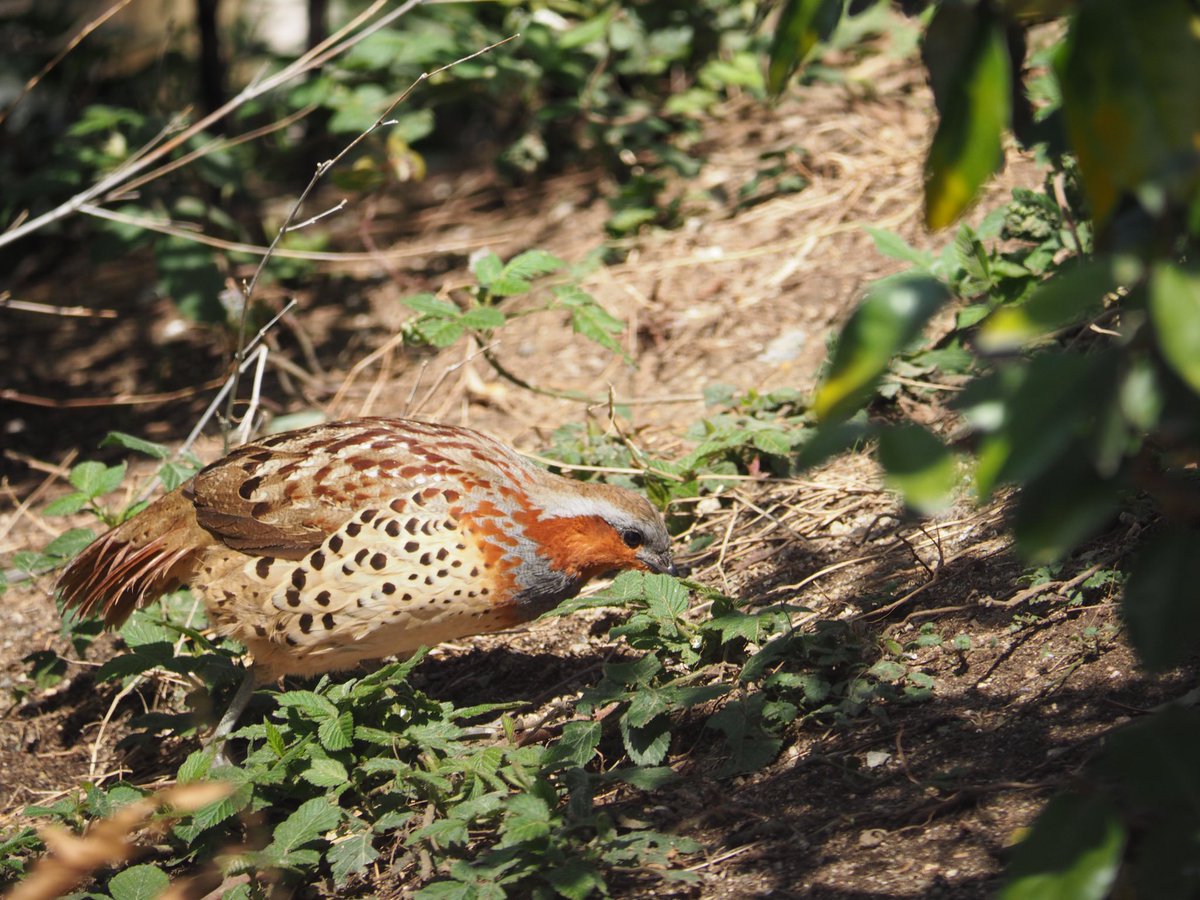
(659,562)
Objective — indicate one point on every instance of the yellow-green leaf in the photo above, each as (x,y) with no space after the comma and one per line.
(1130,79)
(1175,311)
(890,317)
(969,67)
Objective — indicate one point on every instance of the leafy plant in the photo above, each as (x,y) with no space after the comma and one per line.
(1083,385)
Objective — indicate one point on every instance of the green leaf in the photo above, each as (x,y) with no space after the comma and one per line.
(137,444)
(1060,509)
(326,773)
(532,264)
(589,318)
(1034,412)
(483,318)
(966,53)
(1175,311)
(647,745)
(666,597)
(1129,75)
(308,823)
(173,474)
(350,856)
(891,244)
(443,833)
(1159,603)
(440,332)
(1072,853)
(575,879)
(887,670)
(144,882)
(1073,292)
(67,505)
(337,733)
(68,544)
(195,767)
(802,25)
(432,306)
(577,745)
(95,479)
(889,318)
(311,704)
(919,466)
(487,269)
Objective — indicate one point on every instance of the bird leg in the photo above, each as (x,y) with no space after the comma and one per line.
(233,712)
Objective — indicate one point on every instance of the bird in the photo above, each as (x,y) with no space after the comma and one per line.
(321,548)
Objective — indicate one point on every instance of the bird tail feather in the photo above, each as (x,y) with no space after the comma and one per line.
(135,562)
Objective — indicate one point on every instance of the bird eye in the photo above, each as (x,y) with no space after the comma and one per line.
(632,537)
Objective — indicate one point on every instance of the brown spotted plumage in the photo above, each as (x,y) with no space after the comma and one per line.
(354,540)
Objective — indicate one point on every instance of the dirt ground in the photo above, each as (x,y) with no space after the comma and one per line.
(911,800)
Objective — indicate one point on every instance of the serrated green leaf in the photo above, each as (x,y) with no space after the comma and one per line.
(143,628)
(68,544)
(483,318)
(94,479)
(440,332)
(575,879)
(646,745)
(891,244)
(325,772)
(666,597)
(966,52)
(221,810)
(308,823)
(487,268)
(443,833)
(432,306)
(889,318)
(337,733)
(195,767)
(887,670)
(577,745)
(137,444)
(142,659)
(142,882)
(311,704)
(589,318)
(173,474)
(274,739)
(350,856)
(532,264)
(66,505)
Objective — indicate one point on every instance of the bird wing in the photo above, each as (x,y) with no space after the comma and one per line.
(284,495)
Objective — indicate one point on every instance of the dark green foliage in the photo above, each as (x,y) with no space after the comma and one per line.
(1085,371)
